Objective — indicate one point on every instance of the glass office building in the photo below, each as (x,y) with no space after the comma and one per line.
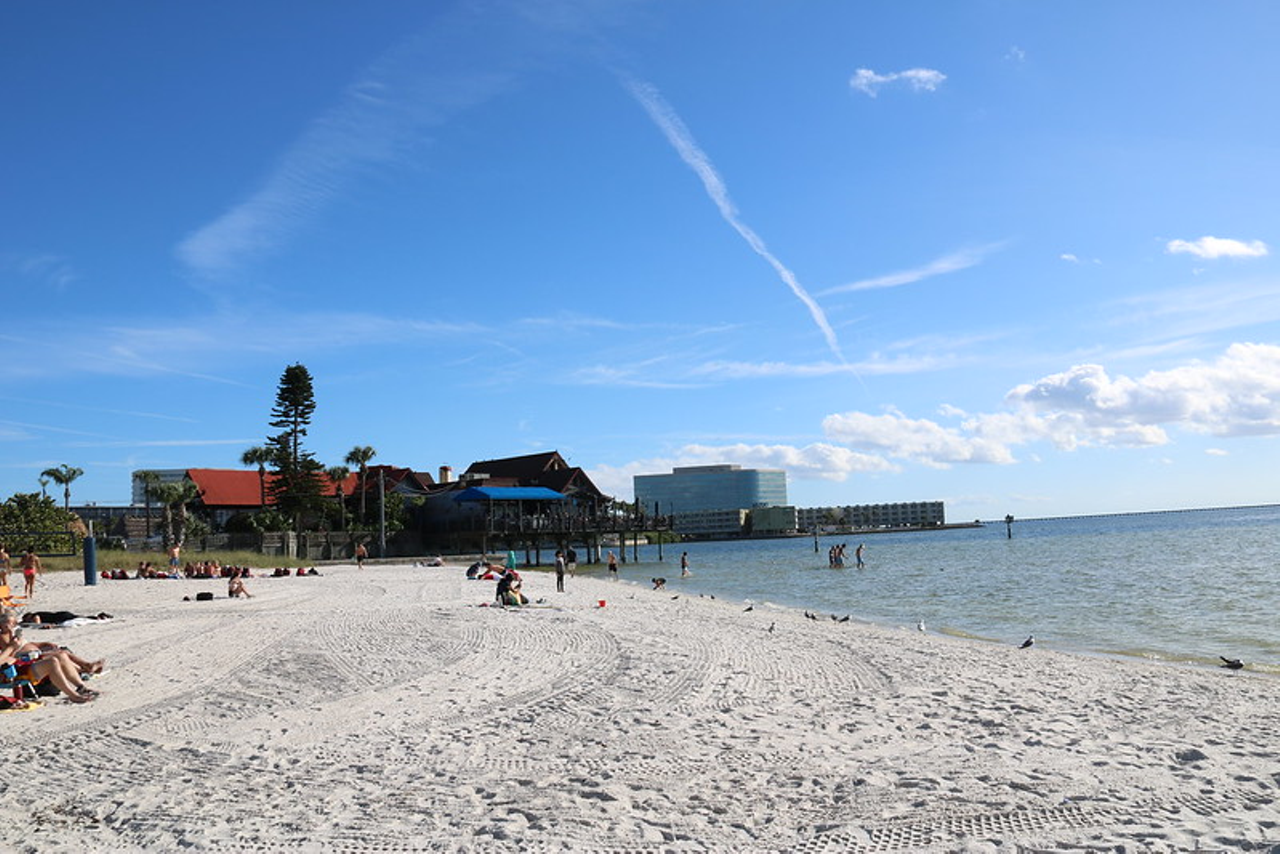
(721,487)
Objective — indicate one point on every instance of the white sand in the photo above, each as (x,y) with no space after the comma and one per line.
(384,710)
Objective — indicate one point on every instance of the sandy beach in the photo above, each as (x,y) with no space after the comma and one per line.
(387,710)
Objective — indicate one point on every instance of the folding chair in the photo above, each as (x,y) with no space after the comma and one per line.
(19,685)
(8,600)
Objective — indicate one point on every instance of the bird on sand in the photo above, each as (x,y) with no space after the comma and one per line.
(748,608)
(1031,639)
(920,626)
(771,625)
(843,619)
(1231,663)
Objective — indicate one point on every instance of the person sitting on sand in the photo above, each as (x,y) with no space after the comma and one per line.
(235,586)
(31,663)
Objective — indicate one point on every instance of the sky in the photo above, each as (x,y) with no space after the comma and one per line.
(1017,257)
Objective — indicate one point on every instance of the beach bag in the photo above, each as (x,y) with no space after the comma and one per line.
(204,597)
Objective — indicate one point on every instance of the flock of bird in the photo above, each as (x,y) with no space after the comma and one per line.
(1227,663)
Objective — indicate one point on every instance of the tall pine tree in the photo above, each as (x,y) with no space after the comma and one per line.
(297,485)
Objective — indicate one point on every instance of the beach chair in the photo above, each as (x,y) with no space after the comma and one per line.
(8,600)
(21,686)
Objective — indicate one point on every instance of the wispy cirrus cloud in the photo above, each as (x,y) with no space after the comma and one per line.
(376,121)
(741,370)
(43,269)
(950,263)
(917,79)
(681,139)
(1209,248)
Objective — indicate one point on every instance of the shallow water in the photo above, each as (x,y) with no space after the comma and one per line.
(1183,586)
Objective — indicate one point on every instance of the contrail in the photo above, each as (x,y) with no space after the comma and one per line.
(682,140)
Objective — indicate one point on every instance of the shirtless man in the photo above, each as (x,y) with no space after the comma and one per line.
(4,565)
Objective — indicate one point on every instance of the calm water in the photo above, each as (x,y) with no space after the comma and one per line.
(1178,587)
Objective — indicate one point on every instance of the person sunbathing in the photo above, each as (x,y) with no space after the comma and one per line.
(33,665)
(57,618)
(45,649)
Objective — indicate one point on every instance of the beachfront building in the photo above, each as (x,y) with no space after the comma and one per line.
(711,524)
(694,496)
(909,514)
(547,469)
(773,521)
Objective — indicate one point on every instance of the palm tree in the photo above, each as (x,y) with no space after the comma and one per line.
(360,456)
(339,475)
(63,475)
(174,497)
(150,480)
(44,482)
(258,456)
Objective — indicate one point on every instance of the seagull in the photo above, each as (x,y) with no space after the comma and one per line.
(843,619)
(771,625)
(920,626)
(748,608)
(677,596)
(834,618)
(1028,642)
(1231,663)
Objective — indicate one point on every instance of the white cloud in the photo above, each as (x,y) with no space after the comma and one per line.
(1217,452)
(1016,54)
(961,260)
(918,79)
(817,461)
(1236,395)
(680,138)
(1067,256)
(920,440)
(1217,247)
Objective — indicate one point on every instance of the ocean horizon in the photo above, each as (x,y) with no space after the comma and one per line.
(1182,586)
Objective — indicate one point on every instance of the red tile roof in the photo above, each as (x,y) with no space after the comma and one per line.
(237,488)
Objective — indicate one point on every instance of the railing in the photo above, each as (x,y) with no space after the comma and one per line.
(44,543)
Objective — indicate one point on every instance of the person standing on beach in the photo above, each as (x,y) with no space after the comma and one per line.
(857,555)
(559,571)
(361,554)
(4,566)
(30,569)
(571,561)
(174,560)
(613,566)
(684,565)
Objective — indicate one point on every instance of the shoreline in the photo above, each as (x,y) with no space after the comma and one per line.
(392,709)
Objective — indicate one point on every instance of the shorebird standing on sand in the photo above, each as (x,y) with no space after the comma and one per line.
(1031,639)
(1231,663)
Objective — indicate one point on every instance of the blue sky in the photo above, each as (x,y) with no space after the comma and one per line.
(1018,257)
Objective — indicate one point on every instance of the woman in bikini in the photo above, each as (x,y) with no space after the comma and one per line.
(30,569)
(56,667)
